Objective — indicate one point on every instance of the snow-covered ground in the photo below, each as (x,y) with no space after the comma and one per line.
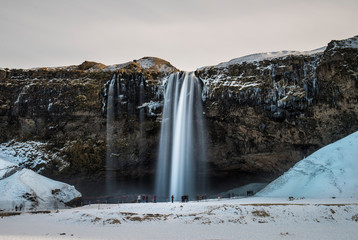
(332,171)
(248,218)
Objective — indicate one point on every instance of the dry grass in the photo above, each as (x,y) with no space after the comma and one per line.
(274,204)
(40,212)
(112,221)
(96,219)
(128,213)
(9,214)
(135,219)
(260,213)
(335,205)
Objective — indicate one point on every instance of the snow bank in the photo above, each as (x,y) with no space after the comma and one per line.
(6,167)
(329,172)
(34,191)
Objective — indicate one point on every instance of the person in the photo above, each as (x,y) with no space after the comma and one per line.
(16,208)
(139,198)
(172,198)
(154,198)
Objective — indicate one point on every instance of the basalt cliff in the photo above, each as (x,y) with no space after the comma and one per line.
(263,113)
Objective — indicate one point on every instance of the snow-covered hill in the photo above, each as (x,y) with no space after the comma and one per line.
(331,171)
(32,191)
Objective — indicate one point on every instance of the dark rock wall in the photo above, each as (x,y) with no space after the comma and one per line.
(281,111)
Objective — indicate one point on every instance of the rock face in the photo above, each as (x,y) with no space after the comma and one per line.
(264,112)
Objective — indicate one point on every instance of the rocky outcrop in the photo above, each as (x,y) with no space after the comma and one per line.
(263,112)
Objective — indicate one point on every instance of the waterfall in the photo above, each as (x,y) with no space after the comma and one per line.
(110,174)
(181,159)
(141,120)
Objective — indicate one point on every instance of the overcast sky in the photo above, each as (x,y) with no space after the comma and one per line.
(187,33)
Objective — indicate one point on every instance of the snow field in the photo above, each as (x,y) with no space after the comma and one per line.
(249,218)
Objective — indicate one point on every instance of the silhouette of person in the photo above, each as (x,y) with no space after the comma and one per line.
(172,198)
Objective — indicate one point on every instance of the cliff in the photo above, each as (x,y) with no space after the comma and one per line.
(267,111)
(263,112)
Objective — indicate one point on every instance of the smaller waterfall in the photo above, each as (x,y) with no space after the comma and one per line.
(124,92)
(181,160)
(110,173)
(141,141)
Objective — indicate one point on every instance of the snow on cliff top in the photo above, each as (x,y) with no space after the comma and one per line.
(346,43)
(267,56)
(328,172)
(154,63)
(34,191)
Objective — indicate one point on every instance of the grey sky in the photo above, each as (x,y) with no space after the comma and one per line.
(188,33)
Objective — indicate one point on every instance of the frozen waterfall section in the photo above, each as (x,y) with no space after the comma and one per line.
(181,160)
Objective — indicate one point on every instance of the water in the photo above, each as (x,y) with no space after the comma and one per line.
(181,161)
(110,173)
(120,98)
(142,136)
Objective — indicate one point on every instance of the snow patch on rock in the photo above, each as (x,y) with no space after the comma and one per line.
(346,43)
(30,154)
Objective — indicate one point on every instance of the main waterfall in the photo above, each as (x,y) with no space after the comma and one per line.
(182,147)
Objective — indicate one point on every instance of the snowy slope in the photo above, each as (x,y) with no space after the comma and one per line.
(34,191)
(332,171)
(6,167)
